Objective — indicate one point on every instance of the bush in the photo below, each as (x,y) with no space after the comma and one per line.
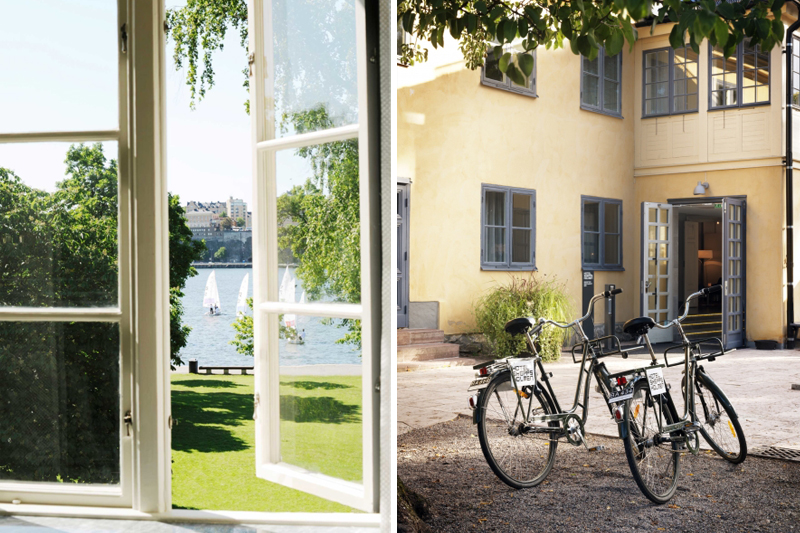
(532,297)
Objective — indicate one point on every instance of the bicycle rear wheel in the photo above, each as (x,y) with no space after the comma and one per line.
(519,457)
(719,424)
(653,459)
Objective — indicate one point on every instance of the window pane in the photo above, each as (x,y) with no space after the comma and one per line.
(521,215)
(59,389)
(58,62)
(612,218)
(529,83)
(58,225)
(591,248)
(319,223)
(491,70)
(521,246)
(611,67)
(611,96)
(590,95)
(591,216)
(495,245)
(612,250)
(495,208)
(593,66)
(321,396)
(314,64)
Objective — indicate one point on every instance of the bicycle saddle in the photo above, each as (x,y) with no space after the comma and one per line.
(638,326)
(518,326)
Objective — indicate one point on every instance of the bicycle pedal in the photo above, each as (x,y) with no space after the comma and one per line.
(598,448)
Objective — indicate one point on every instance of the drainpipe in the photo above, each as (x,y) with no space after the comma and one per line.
(790,328)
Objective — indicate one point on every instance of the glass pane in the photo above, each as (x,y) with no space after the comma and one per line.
(662,302)
(591,248)
(651,213)
(651,302)
(590,95)
(691,102)
(611,96)
(314,65)
(611,67)
(495,245)
(664,216)
(612,250)
(663,233)
(651,233)
(58,238)
(529,81)
(62,58)
(495,208)
(662,251)
(320,395)
(61,408)
(612,218)
(521,215)
(662,268)
(651,268)
(319,223)
(521,246)
(651,250)
(663,285)
(591,216)
(591,67)
(491,70)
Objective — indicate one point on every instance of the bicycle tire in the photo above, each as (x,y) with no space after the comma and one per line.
(655,465)
(519,460)
(720,426)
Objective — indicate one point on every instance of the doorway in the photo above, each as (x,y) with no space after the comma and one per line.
(690,244)
(402,254)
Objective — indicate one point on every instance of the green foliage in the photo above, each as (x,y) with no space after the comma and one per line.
(240,222)
(226,223)
(221,253)
(585,24)
(532,297)
(243,340)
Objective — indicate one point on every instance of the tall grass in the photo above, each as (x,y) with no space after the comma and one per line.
(524,297)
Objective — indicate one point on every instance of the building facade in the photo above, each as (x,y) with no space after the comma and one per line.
(659,171)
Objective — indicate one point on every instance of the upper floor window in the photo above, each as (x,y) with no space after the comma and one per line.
(740,80)
(492,76)
(601,230)
(601,82)
(670,82)
(508,228)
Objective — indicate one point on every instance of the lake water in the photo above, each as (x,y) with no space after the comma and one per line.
(209,341)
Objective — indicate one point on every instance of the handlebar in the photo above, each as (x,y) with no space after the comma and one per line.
(705,291)
(543,321)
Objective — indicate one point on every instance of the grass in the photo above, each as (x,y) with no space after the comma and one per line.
(213,441)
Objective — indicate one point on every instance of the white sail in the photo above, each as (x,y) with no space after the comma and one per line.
(241,302)
(283,292)
(211,294)
(303,297)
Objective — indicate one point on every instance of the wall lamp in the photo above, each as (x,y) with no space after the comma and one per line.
(701,188)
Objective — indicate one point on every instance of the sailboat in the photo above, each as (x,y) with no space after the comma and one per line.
(286,294)
(211,295)
(241,302)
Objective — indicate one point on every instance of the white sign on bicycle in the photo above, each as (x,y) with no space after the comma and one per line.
(524,371)
(655,378)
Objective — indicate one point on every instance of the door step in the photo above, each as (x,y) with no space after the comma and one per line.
(426,352)
(406,337)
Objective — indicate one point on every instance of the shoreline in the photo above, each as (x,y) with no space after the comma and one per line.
(343,369)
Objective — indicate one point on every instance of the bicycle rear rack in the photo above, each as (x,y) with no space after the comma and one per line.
(696,345)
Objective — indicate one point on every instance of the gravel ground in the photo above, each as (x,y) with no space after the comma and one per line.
(592,491)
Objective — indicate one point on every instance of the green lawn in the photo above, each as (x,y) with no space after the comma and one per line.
(213,440)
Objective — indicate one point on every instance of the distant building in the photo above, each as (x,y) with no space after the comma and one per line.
(237,208)
(204,224)
(214,207)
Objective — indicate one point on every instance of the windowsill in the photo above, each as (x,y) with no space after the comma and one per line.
(676,114)
(501,86)
(744,106)
(601,112)
(596,268)
(512,268)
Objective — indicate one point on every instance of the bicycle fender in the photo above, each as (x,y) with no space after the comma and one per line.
(708,382)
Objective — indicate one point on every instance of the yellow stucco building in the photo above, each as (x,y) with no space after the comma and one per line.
(596,168)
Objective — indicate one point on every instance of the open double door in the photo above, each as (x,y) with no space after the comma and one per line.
(660,268)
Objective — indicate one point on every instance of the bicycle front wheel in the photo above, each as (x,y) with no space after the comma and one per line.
(653,458)
(719,425)
(517,453)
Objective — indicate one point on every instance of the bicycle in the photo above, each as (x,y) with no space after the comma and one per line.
(520,446)
(653,449)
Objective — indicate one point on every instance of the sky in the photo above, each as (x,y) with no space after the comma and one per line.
(61,74)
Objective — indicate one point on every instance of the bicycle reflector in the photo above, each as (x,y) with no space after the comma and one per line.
(473,401)
(618,411)
(483,371)
(622,381)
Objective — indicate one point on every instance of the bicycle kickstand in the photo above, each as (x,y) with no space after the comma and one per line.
(598,448)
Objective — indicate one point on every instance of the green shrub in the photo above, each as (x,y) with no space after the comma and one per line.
(531,297)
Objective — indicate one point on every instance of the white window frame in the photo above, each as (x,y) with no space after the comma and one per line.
(266,304)
(93,494)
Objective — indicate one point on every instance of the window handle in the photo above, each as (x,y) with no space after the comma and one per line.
(128,419)
(123,33)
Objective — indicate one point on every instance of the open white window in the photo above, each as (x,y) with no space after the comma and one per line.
(314,226)
(66,343)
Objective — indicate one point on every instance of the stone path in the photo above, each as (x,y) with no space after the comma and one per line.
(758,384)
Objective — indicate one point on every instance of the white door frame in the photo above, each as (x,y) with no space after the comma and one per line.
(652,277)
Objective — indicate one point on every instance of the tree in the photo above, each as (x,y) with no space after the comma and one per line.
(226,223)
(220,254)
(585,24)
(240,222)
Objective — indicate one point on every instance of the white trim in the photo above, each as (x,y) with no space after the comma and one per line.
(59,314)
(314,309)
(73,489)
(209,517)
(62,136)
(341,133)
(331,488)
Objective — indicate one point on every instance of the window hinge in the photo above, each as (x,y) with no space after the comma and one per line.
(128,420)
(169,421)
(123,33)
(255,406)
(251,58)
(378,385)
